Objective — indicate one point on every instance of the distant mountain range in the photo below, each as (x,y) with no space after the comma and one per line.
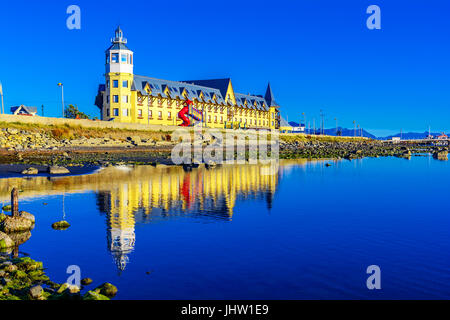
(345,132)
(412,135)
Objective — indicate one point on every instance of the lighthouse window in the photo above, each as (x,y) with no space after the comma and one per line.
(125,99)
(124,58)
(115,58)
(125,84)
(116,99)
(116,112)
(115,83)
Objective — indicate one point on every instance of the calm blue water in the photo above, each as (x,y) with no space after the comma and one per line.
(309,232)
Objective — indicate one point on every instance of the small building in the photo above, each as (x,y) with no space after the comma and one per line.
(285,127)
(396,139)
(443,136)
(24,110)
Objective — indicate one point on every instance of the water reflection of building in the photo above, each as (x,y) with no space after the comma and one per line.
(147,195)
(166,194)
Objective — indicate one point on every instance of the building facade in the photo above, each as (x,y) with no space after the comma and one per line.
(130,98)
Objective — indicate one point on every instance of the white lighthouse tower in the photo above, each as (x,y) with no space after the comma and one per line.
(119,79)
(118,57)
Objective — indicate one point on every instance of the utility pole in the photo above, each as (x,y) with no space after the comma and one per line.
(335,119)
(322,131)
(314,125)
(42,108)
(401,134)
(354,125)
(62,97)
(1,93)
(304,120)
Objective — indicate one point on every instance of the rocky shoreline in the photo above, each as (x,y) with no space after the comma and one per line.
(356,150)
(22,278)
(27,153)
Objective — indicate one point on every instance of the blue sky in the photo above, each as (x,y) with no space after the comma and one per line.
(316,54)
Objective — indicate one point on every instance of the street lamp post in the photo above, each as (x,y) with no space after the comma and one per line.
(62,97)
(1,93)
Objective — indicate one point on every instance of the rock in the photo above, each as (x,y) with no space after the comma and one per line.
(30,171)
(36,292)
(27,215)
(58,170)
(7,208)
(11,268)
(107,289)
(20,237)
(16,224)
(210,164)
(61,225)
(92,295)
(5,242)
(2,217)
(67,288)
(12,131)
(86,281)
(441,155)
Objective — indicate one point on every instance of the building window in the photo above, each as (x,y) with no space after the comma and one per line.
(215,119)
(221,119)
(115,83)
(107,112)
(160,115)
(150,114)
(125,83)
(116,99)
(125,112)
(116,112)
(107,84)
(209,118)
(169,115)
(115,58)
(140,113)
(107,99)
(124,58)
(124,99)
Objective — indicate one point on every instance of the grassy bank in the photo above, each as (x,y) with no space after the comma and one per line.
(69,132)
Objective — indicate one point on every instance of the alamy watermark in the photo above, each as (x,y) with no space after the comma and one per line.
(374,20)
(73,22)
(374,280)
(212,146)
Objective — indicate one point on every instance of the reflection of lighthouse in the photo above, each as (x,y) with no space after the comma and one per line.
(120,218)
(121,244)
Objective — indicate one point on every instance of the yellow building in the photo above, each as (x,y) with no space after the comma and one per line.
(130,98)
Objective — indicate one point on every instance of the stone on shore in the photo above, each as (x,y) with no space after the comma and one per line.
(441,155)
(92,295)
(61,225)
(5,242)
(36,292)
(106,289)
(7,208)
(27,215)
(30,171)
(86,281)
(16,224)
(58,170)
